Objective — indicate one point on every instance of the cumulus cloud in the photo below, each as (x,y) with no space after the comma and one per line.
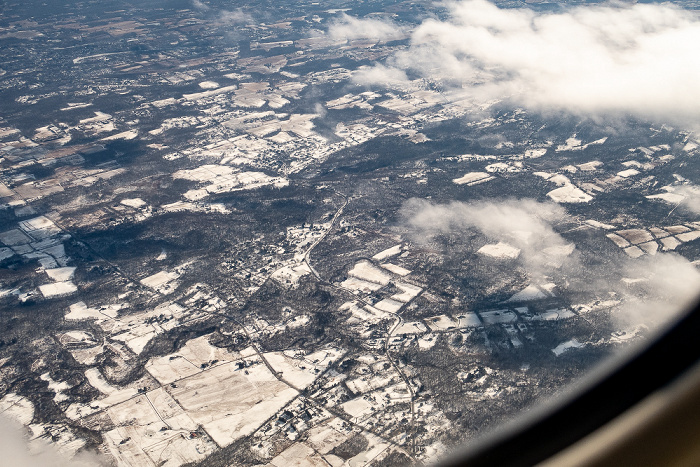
(652,289)
(656,288)
(224,17)
(17,451)
(235,17)
(350,28)
(691,197)
(616,59)
(380,75)
(199,5)
(524,224)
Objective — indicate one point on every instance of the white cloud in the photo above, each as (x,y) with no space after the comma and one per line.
(524,224)
(224,17)
(652,288)
(691,197)
(616,59)
(199,5)
(235,17)
(380,74)
(350,28)
(17,451)
(667,283)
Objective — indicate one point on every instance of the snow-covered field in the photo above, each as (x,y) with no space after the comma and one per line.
(135,203)
(473,178)
(412,327)
(408,292)
(499,250)
(290,275)
(569,194)
(360,285)
(17,408)
(564,346)
(225,179)
(80,310)
(299,369)
(363,314)
(58,289)
(152,429)
(441,323)
(396,269)
(388,253)
(389,305)
(228,401)
(498,316)
(531,292)
(364,270)
(638,242)
(553,314)
(468,320)
(164,282)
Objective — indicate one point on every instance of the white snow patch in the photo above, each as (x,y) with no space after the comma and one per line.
(388,253)
(473,178)
(569,194)
(468,320)
(60,274)
(80,311)
(58,289)
(125,135)
(529,293)
(164,282)
(412,327)
(628,173)
(441,323)
(366,271)
(389,305)
(133,202)
(208,85)
(499,250)
(564,346)
(498,316)
(599,225)
(396,269)
(408,292)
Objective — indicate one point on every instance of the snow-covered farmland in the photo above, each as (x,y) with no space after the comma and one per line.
(227,400)
(58,289)
(498,316)
(388,253)
(467,320)
(499,250)
(441,323)
(396,269)
(389,305)
(299,369)
(564,346)
(408,292)
(365,271)
(473,178)
(152,429)
(363,314)
(164,282)
(569,194)
(291,274)
(529,293)
(225,179)
(412,327)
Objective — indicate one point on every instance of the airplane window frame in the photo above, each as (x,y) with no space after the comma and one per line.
(610,390)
